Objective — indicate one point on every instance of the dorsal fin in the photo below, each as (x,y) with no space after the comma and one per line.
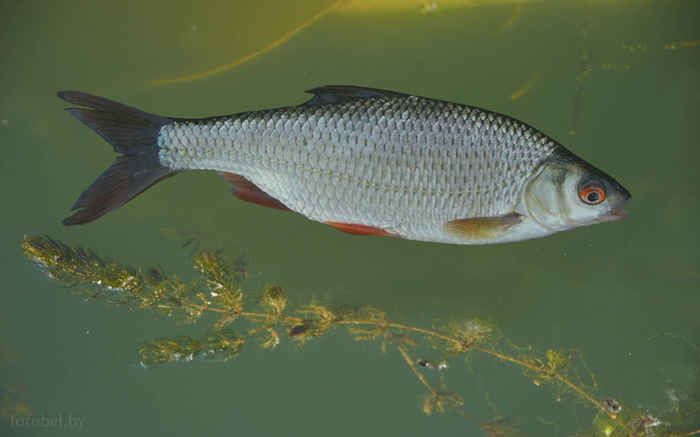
(346,93)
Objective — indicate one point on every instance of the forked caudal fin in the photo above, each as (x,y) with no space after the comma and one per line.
(133,134)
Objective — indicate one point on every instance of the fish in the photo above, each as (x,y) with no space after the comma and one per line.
(364,161)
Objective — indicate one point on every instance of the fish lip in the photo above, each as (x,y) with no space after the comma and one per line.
(619,214)
(615,215)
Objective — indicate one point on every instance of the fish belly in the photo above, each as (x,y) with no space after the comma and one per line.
(407,165)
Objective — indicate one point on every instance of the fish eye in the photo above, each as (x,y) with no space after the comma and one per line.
(592,193)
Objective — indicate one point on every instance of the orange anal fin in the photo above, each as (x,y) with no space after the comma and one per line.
(354,229)
(248,191)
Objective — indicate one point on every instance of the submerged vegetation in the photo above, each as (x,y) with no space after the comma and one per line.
(352,7)
(590,63)
(223,292)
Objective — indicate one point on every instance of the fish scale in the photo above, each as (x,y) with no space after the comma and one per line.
(404,164)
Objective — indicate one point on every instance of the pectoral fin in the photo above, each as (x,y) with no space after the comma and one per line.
(483,228)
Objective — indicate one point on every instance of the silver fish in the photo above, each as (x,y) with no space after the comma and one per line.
(365,161)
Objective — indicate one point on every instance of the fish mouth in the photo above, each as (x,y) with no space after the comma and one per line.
(615,215)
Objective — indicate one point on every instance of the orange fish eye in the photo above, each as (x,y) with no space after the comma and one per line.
(592,194)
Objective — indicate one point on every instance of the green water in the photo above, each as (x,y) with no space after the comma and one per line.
(611,293)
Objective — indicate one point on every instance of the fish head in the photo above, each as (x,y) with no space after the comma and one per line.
(567,192)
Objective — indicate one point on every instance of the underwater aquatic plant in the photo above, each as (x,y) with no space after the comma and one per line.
(221,292)
(363,7)
(590,64)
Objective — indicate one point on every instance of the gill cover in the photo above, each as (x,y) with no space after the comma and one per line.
(542,196)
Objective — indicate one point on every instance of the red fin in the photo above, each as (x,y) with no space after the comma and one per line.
(248,191)
(353,229)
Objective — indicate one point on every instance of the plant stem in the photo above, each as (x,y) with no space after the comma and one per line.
(499,355)
(412,365)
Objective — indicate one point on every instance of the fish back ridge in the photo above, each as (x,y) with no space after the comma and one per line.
(132,133)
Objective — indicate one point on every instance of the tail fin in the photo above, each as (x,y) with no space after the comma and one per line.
(132,133)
